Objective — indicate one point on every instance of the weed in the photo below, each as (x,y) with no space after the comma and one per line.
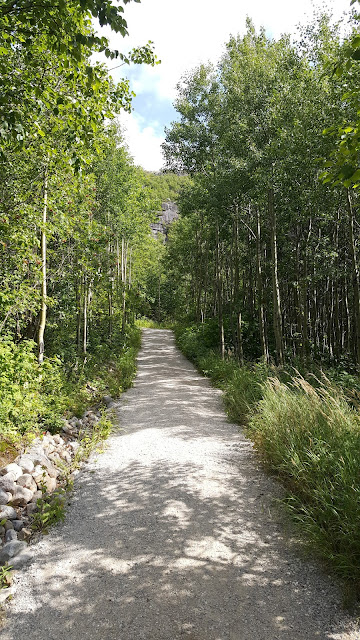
(5,576)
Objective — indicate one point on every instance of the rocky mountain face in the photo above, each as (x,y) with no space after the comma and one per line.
(168,215)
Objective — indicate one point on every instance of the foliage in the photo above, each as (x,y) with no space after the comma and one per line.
(50,510)
(5,576)
(311,439)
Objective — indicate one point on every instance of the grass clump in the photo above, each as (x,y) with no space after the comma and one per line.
(311,439)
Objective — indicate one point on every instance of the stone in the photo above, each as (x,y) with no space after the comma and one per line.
(65,455)
(7,512)
(27,481)
(58,439)
(12,468)
(11,549)
(74,445)
(18,524)
(50,484)
(30,508)
(25,534)
(21,496)
(26,464)
(22,558)
(2,531)
(10,535)
(4,496)
(6,593)
(41,479)
(7,483)
(37,495)
(38,457)
(108,400)
(8,525)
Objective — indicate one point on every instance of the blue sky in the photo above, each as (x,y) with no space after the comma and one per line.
(185,34)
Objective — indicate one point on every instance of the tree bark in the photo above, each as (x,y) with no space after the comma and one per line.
(43,311)
(275,281)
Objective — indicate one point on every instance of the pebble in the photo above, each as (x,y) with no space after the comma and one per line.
(8,526)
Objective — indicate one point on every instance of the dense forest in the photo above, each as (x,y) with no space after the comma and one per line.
(267,240)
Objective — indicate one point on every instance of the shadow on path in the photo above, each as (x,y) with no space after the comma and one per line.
(172,532)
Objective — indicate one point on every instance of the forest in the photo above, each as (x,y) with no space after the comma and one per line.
(259,276)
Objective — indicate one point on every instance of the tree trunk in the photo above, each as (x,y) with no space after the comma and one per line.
(43,310)
(264,346)
(275,281)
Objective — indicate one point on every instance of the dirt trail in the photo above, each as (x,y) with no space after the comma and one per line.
(172,532)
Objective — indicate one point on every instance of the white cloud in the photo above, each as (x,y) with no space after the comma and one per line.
(187,33)
(143,141)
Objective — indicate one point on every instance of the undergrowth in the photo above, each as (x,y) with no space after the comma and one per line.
(306,429)
(34,398)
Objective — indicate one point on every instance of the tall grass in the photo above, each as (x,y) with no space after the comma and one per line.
(311,438)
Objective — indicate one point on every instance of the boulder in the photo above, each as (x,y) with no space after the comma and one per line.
(10,535)
(27,481)
(21,496)
(21,559)
(18,524)
(5,496)
(7,483)
(10,550)
(26,464)
(7,512)
(12,468)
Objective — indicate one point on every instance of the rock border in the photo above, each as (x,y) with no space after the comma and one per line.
(36,473)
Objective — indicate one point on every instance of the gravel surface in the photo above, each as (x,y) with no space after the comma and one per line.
(173,532)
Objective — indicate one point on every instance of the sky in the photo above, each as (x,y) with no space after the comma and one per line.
(186,34)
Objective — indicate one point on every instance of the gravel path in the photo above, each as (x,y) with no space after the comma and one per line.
(172,533)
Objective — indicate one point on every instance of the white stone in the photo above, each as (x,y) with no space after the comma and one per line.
(21,496)
(7,512)
(27,481)
(4,496)
(26,464)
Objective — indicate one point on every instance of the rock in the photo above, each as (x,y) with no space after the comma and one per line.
(2,531)
(12,468)
(27,481)
(65,456)
(7,512)
(18,524)
(10,535)
(37,495)
(8,525)
(10,550)
(108,400)
(4,496)
(24,534)
(74,445)
(38,457)
(50,485)
(6,593)
(26,464)
(30,508)
(7,483)
(22,558)
(58,439)
(21,496)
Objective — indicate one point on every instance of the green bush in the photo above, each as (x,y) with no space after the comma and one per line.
(30,395)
